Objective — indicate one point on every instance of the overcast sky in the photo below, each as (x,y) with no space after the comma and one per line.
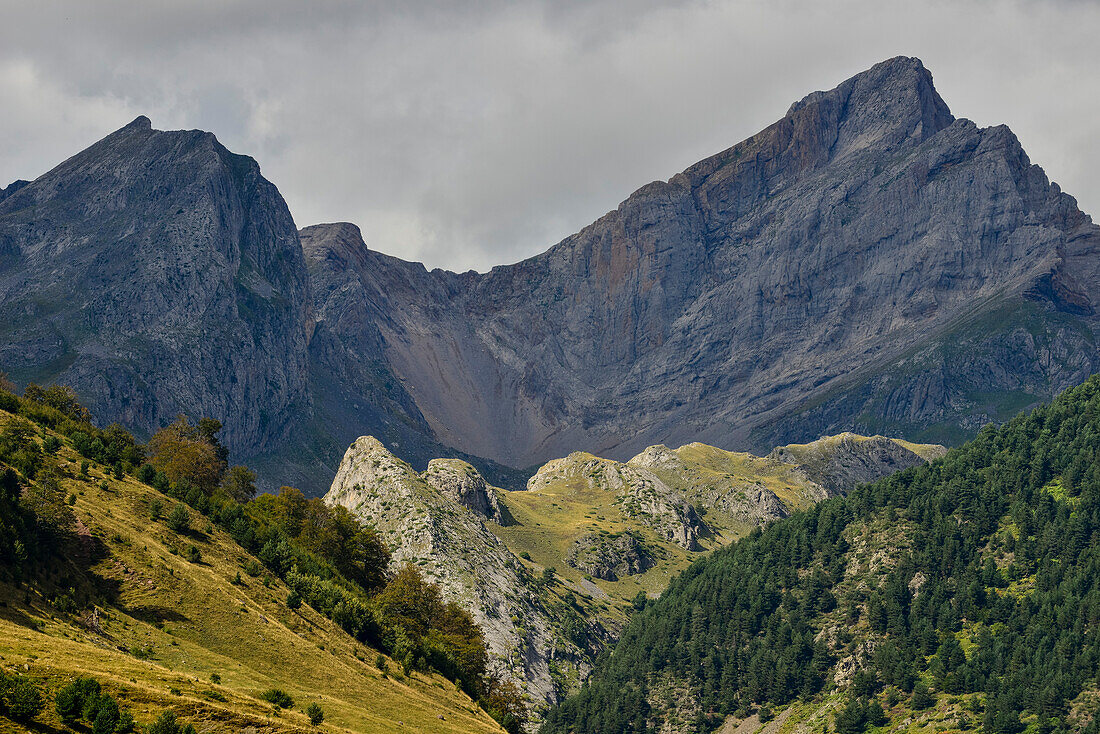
(466,135)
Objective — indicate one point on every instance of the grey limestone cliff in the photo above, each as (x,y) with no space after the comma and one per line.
(868,262)
(158,273)
(425,521)
(464,484)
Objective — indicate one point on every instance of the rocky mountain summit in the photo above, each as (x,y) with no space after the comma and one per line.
(550,572)
(641,496)
(158,273)
(868,262)
(464,484)
(838,463)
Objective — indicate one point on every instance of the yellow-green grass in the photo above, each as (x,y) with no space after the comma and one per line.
(828,444)
(709,467)
(196,622)
(549,521)
(571,504)
(927,451)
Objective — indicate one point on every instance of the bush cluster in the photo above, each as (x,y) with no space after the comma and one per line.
(20,698)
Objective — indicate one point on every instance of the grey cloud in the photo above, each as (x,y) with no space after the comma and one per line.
(471,134)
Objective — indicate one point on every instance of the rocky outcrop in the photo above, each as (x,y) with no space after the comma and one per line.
(158,273)
(545,623)
(640,494)
(610,556)
(463,483)
(840,463)
(740,487)
(12,188)
(450,544)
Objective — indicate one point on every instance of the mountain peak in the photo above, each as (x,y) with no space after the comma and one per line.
(141,122)
(886,105)
(895,72)
(343,234)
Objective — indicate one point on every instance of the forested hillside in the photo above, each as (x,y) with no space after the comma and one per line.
(960,594)
(144,581)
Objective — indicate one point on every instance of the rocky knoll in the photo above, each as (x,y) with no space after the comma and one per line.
(641,496)
(158,273)
(611,556)
(435,530)
(463,483)
(840,463)
(739,488)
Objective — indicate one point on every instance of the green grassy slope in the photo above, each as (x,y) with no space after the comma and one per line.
(166,624)
(573,498)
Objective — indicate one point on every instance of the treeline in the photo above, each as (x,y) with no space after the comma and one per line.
(35,520)
(82,703)
(328,558)
(1002,550)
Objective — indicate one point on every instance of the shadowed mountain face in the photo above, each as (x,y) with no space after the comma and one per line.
(867,263)
(158,273)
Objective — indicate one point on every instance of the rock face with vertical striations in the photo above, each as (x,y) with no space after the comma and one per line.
(158,273)
(868,262)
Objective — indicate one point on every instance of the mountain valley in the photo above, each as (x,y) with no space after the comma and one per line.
(801,439)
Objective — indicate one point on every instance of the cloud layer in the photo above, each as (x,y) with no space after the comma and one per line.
(467,135)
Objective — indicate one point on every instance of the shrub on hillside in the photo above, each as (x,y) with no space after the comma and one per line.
(315,713)
(278,697)
(106,716)
(19,448)
(179,519)
(240,483)
(61,398)
(146,473)
(190,454)
(46,501)
(20,698)
(922,699)
(167,723)
(69,702)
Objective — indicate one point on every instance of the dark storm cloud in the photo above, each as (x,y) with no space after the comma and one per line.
(470,134)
